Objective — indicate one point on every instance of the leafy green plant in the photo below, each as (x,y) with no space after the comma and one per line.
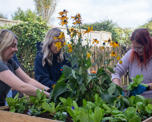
(17,104)
(76,81)
(136,81)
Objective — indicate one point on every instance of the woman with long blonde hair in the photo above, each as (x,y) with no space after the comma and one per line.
(11,75)
(50,58)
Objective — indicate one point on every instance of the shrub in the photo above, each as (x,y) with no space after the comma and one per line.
(28,33)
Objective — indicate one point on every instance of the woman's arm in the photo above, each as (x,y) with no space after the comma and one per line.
(121,69)
(23,76)
(13,81)
(117,82)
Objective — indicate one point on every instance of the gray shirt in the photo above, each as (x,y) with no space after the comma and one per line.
(134,69)
(4,88)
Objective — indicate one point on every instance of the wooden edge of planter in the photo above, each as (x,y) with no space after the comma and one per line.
(148,120)
(6,116)
(17,117)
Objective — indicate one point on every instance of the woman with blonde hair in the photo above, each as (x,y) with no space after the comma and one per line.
(11,75)
(50,58)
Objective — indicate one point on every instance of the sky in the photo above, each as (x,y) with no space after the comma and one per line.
(125,13)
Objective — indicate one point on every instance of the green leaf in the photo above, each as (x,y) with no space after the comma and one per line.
(112,88)
(110,69)
(98,114)
(148,108)
(67,71)
(131,115)
(136,81)
(59,89)
(73,74)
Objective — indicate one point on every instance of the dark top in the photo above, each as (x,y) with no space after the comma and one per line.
(4,88)
(48,74)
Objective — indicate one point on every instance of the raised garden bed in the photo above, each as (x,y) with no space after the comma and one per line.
(17,117)
(6,116)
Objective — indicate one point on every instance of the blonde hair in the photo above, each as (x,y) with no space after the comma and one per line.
(48,40)
(6,39)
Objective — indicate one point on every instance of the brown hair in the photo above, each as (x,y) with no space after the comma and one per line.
(142,36)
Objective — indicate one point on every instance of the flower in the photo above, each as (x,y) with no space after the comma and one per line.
(93,72)
(61,69)
(113,54)
(64,22)
(53,86)
(114,44)
(95,41)
(119,97)
(90,28)
(102,47)
(72,107)
(60,37)
(63,12)
(70,48)
(105,41)
(64,43)
(120,62)
(63,17)
(77,19)
(58,45)
(118,58)
(88,55)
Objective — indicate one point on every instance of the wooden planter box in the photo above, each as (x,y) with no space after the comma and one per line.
(148,120)
(6,116)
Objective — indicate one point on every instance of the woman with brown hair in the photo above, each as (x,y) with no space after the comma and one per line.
(137,61)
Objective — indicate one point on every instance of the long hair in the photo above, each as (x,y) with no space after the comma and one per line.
(142,36)
(6,39)
(48,40)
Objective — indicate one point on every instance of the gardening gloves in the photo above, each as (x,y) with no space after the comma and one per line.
(139,90)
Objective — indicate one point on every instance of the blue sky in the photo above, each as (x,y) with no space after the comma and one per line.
(126,13)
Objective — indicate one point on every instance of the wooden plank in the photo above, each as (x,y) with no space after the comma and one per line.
(6,116)
(148,120)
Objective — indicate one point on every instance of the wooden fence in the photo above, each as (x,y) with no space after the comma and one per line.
(102,57)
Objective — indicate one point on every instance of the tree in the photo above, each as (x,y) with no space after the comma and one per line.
(123,35)
(148,25)
(2,16)
(27,15)
(45,8)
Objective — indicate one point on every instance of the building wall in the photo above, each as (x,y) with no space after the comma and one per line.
(6,22)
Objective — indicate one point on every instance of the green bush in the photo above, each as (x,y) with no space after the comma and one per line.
(28,33)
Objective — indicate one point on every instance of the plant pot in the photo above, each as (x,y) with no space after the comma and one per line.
(6,116)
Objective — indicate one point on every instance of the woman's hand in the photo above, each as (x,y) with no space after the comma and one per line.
(117,82)
(150,86)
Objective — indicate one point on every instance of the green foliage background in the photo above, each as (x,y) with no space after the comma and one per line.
(30,30)
(28,33)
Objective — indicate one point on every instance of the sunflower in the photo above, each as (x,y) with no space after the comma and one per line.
(95,41)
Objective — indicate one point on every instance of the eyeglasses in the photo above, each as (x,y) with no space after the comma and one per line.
(138,49)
